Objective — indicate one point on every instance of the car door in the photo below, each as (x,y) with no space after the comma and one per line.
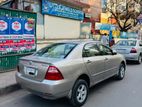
(111,61)
(93,61)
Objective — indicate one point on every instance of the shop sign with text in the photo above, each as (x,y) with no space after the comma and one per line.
(60,10)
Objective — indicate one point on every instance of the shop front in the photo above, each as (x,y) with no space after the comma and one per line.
(62,20)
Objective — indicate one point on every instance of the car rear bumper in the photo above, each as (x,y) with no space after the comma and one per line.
(131,57)
(46,89)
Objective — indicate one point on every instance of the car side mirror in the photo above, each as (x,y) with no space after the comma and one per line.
(114,52)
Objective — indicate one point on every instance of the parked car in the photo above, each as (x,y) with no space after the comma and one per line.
(69,69)
(130,48)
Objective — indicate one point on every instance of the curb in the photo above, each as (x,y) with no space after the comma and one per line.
(9,89)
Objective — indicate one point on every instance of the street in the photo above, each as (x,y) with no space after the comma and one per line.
(110,93)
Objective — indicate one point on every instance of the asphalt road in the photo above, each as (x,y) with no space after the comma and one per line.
(110,93)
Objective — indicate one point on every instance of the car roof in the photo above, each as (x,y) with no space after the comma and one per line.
(79,41)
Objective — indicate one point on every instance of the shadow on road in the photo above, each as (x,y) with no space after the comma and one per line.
(97,88)
(36,101)
(132,63)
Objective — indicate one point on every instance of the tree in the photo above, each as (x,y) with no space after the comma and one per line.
(125,12)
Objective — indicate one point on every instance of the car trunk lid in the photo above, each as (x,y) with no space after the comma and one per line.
(124,49)
(35,68)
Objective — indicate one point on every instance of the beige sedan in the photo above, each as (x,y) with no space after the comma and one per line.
(69,69)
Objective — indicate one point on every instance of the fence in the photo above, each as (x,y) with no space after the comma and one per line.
(9,61)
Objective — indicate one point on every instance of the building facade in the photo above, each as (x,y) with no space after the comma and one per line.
(56,19)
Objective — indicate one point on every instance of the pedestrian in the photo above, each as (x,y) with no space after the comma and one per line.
(112,42)
(105,40)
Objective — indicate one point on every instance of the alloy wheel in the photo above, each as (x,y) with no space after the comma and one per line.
(81,93)
(122,71)
(140,59)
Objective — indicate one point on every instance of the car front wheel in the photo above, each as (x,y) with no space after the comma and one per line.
(121,73)
(79,93)
(139,59)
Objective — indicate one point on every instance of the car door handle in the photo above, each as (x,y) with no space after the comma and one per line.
(89,61)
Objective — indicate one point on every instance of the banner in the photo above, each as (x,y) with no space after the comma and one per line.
(60,10)
(17,36)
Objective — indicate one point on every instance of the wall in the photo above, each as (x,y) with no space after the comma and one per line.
(40,26)
(57,27)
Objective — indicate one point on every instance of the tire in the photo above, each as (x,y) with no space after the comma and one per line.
(79,93)
(139,59)
(121,73)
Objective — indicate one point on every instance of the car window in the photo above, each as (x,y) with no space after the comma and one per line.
(91,50)
(60,50)
(126,43)
(105,50)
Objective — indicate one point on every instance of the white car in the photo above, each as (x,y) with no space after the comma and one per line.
(130,48)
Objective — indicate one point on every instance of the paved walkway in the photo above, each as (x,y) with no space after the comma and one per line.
(8,82)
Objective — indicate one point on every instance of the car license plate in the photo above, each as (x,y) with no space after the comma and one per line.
(121,51)
(30,71)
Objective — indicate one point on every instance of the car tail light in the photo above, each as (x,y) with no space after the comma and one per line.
(18,69)
(133,50)
(53,73)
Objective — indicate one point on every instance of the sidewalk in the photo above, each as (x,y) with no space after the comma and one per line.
(8,82)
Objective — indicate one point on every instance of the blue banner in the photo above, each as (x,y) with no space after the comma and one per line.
(105,27)
(16,26)
(29,26)
(61,10)
(4,25)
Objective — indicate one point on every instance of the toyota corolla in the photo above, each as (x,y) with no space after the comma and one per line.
(69,69)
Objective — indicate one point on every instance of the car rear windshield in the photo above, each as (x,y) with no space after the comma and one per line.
(126,43)
(59,50)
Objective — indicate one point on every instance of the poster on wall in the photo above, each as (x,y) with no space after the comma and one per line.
(17,36)
(29,32)
(4,25)
(85,30)
(4,35)
(16,25)
(16,32)
(29,25)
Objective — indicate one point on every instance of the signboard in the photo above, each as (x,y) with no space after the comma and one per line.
(100,26)
(61,10)
(17,36)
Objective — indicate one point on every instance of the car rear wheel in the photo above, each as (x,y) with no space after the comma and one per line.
(79,93)
(139,59)
(121,73)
